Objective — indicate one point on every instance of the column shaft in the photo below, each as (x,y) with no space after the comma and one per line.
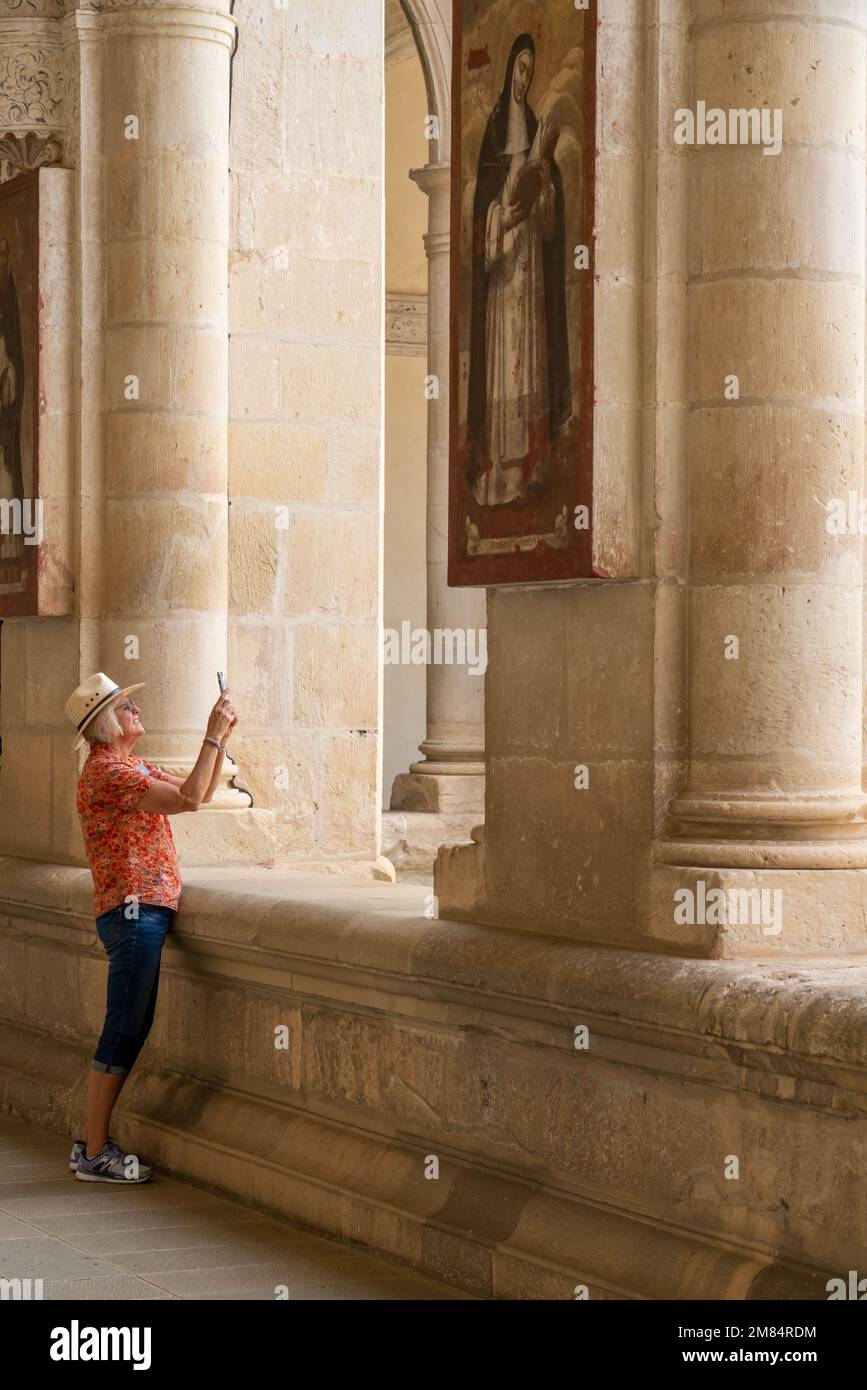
(166,121)
(776,431)
(455,743)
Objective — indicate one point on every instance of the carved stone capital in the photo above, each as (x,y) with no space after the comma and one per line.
(220,7)
(20,153)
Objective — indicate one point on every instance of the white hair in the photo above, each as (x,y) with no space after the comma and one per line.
(104,728)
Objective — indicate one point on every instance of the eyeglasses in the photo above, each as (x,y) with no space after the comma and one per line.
(127,704)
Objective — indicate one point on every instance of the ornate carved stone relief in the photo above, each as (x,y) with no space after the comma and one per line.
(406,324)
(31,83)
(19,153)
(27,9)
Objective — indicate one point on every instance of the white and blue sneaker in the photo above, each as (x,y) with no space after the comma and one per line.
(79,1149)
(111,1164)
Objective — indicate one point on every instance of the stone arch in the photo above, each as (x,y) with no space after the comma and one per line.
(431,25)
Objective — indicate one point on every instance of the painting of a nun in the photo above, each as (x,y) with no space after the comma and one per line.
(23,576)
(519,393)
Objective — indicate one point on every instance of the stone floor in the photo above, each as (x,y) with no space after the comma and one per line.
(165,1239)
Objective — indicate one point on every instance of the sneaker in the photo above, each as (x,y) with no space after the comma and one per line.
(111,1164)
(79,1149)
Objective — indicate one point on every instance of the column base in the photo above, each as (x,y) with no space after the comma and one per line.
(727,913)
(226,797)
(439,794)
(450,780)
(792,831)
(766,854)
(411,840)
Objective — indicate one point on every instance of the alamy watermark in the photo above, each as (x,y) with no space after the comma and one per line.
(846,516)
(854,1289)
(736,126)
(20,1290)
(19,518)
(444,646)
(718,907)
(85,1343)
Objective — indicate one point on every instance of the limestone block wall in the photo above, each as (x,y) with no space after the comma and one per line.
(567,857)
(305,426)
(237,275)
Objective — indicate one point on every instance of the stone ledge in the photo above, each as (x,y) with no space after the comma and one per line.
(812,1008)
(490,1232)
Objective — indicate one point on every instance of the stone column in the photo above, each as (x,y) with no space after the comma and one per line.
(451,776)
(166,127)
(777,430)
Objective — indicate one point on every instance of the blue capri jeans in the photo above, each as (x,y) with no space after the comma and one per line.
(134,949)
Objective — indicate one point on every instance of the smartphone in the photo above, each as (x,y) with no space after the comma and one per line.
(221,681)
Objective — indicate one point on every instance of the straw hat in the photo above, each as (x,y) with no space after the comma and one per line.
(90,699)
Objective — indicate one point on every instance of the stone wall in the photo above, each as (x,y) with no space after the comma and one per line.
(699,730)
(591,675)
(639,1126)
(228,515)
(305,318)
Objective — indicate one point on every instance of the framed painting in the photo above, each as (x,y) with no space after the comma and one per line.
(522,289)
(20,510)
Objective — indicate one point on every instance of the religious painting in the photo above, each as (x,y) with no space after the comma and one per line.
(521,350)
(20,510)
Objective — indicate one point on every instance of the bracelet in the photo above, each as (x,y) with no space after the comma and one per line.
(212,741)
(224,746)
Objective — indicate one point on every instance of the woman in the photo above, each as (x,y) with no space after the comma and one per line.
(11,546)
(124,803)
(519,390)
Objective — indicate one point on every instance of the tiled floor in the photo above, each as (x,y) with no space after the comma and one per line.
(165,1239)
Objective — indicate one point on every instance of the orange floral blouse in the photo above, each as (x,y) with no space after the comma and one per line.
(132,853)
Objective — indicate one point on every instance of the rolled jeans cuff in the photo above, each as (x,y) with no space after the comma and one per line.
(113,1071)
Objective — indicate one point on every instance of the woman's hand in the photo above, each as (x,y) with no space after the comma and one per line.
(221,719)
(515,214)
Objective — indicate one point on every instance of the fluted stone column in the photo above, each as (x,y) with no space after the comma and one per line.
(166,126)
(775,602)
(451,776)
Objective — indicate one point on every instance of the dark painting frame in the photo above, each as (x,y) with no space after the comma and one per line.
(19,224)
(494,544)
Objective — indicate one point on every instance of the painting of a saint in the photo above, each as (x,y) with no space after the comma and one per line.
(521,391)
(11,380)
(519,388)
(19,261)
